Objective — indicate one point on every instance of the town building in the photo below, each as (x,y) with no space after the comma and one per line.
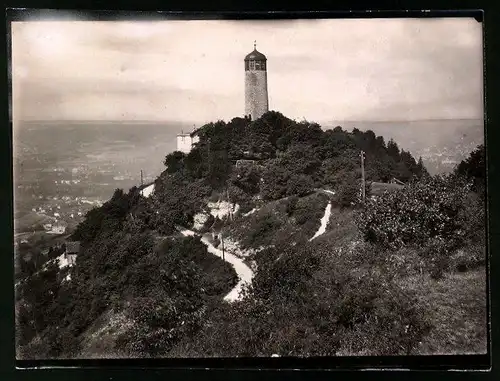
(59,227)
(72,250)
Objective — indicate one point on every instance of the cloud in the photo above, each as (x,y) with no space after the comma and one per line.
(366,69)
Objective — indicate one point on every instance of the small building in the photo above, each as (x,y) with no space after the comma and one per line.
(378,189)
(147,189)
(244,163)
(59,227)
(185,142)
(72,250)
(396,181)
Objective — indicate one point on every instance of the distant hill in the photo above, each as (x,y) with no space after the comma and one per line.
(442,144)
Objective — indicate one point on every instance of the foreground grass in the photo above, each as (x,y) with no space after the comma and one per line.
(456,306)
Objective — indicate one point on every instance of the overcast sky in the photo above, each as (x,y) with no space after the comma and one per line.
(366,69)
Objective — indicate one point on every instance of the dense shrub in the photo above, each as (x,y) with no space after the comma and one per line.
(286,273)
(304,303)
(169,290)
(260,229)
(469,258)
(348,192)
(422,210)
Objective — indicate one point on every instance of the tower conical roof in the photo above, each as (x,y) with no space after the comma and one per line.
(255,55)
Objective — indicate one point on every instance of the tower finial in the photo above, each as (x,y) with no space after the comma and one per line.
(254,44)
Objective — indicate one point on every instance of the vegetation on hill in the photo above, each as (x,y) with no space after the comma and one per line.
(122,266)
(387,290)
(344,293)
(290,159)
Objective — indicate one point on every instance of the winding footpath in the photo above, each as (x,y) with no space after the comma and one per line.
(245,274)
(324,222)
(325,218)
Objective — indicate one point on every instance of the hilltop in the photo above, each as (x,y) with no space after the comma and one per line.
(331,276)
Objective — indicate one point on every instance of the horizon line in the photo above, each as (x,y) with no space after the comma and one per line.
(398,120)
(201,123)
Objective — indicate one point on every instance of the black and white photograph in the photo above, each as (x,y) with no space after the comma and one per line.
(254,188)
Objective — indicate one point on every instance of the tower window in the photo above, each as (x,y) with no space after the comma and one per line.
(257,65)
(252,65)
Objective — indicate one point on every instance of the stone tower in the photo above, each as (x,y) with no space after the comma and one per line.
(256,100)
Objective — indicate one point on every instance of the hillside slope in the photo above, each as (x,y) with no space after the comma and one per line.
(345,292)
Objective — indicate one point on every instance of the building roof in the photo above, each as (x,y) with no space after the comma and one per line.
(195,132)
(255,55)
(73,247)
(379,188)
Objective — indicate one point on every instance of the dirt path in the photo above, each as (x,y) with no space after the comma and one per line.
(326,216)
(324,221)
(245,274)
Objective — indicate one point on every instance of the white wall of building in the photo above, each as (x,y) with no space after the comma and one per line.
(185,142)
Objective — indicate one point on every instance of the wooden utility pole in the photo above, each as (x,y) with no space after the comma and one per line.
(363,187)
(142,181)
(222,243)
(208,156)
(230,204)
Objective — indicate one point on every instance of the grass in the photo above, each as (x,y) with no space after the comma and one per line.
(280,222)
(457,309)
(341,230)
(99,340)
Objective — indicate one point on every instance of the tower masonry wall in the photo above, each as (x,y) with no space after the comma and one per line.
(256,97)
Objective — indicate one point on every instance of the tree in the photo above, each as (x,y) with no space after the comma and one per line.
(393,150)
(195,163)
(247,178)
(421,171)
(474,168)
(174,161)
(299,184)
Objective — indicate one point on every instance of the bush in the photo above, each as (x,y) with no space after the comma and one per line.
(299,185)
(158,326)
(287,274)
(348,191)
(437,257)
(469,258)
(260,229)
(307,304)
(426,209)
(379,318)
